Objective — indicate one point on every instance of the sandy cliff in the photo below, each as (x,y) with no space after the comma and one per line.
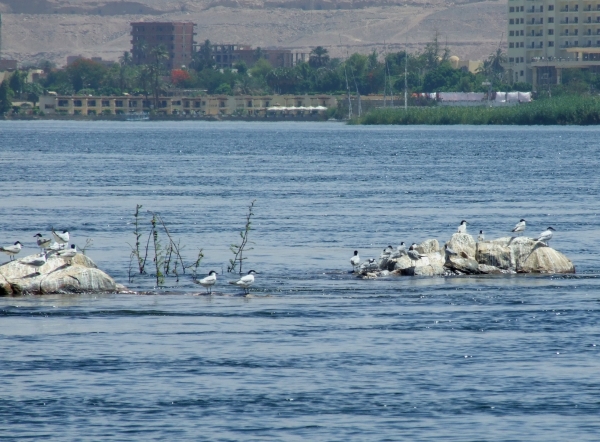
(53,29)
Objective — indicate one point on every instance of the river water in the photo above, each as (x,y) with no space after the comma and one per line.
(313,353)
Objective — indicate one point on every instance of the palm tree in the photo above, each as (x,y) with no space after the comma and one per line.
(158,55)
(318,57)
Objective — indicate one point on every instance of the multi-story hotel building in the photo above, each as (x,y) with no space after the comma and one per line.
(176,37)
(547,36)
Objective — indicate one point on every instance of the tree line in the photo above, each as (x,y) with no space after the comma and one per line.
(428,70)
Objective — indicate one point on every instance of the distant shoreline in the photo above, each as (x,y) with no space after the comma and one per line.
(55,117)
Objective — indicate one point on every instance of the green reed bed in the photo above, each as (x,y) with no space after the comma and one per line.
(562,111)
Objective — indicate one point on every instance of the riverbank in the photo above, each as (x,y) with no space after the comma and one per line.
(554,111)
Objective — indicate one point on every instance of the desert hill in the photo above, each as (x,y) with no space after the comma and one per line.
(53,29)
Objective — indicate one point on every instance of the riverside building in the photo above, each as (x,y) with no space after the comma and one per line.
(176,37)
(547,36)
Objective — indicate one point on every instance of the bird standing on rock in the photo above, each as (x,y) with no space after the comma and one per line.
(414,254)
(61,237)
(355,260)
(449,252)
(209,281)
(43,243)
(245,282)
(481,236)
(546,235)
(36,262)
(463,227)
(69,253)
(12,250)
(520,227)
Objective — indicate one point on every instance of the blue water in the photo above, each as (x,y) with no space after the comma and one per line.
(313,353)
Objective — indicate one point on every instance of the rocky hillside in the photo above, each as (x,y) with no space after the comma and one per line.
(53,29)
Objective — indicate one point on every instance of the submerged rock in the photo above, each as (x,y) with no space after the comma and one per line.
(58,275)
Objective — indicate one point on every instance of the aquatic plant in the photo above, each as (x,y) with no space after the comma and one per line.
(239,249)
(565,110)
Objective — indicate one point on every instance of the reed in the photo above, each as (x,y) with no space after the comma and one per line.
(569,110)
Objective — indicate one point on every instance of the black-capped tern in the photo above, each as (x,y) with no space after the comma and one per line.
(481,236)
(414,254)
(463,227)
(12,250)
(36,262)
(61,237)
(520,226)
(355,260)
(546,235)
(208,281)
(43,243)
(245,281)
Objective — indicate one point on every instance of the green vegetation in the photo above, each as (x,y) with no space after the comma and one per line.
(562,110)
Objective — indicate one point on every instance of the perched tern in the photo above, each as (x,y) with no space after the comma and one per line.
(481,236)
(400,250)
(355,260)
(520,227)
(388,250)
(43,243)
(61,237)
(546,235)
(36,262)
(12,250)
(463,227)
(68,253)
(414,255)
(209,281)
(245,281)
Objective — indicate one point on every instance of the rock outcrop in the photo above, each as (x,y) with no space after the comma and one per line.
(502,255)
(58,275)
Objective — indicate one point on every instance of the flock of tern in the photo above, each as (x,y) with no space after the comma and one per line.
(414,254)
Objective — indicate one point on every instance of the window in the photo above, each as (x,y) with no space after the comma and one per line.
(511,9)
(576,42)
(92,103)
(511,33)
(576,20)
(576,31)
(550,31)
(197,104)
(522,9)
(77,103)
(267,104)
(566,32)
(118,103)
(542,8)
(163,103)
(522,59)
(63,103)
(550,19)
(550,7)
(249,103)
(133,103)
(511,21)
(522,73)
(522,44)
(221,104)
(105,103)
(186,104)
(550,43)
(511,60)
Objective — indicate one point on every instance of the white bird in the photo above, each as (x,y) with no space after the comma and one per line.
(245,281)
(414,255)
(481,236)
(400,250)
(36,262)
(355,260)
(209,281)
(463,227)
(12,250)
(546,235)
(68,253)
(388,250)
(61,237)
(43,243)
(54,247)
(520,227)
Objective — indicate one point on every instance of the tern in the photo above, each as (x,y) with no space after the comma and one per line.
(12,250)
(414,254)
(463,227)
(546,235)
(36,262)
(388,250)
(43,243)
(520,227)
(245,281)
(481,236)
(400,250)
(68,253)
(61,237)
(355,260)
(209,281)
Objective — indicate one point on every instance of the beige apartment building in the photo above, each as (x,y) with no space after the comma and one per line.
(198,106)
(547,36)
